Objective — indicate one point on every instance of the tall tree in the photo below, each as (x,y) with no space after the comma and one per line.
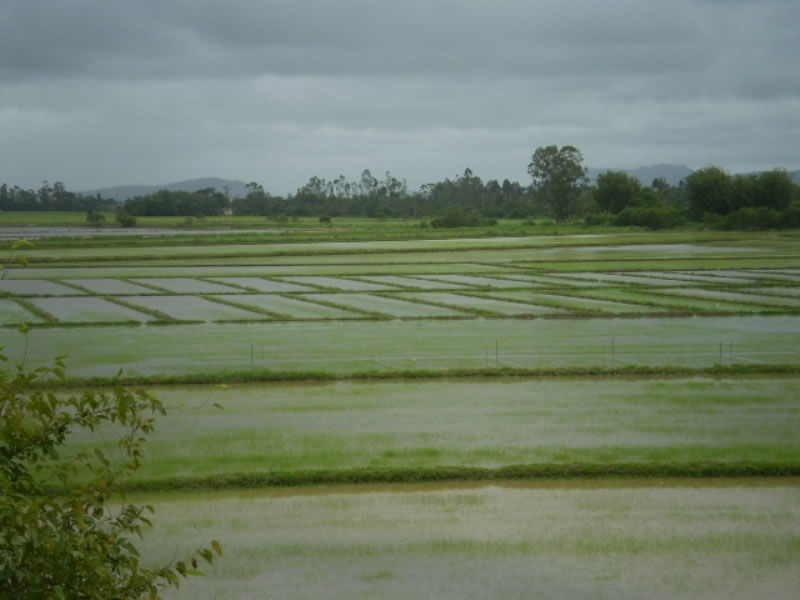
(710,190)
(557,174)
(615,191)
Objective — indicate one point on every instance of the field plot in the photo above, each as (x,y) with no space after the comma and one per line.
(551,281)
(36,287)
(393,307)
(110,287)
(739,278)
(658,298)
(793,292)
(742,297)
(358,346)
(560,303)
(415,282)
(193,308)
(475,303)
(88,309)
(12,313)
(479,281)
(185,285)
(338,283)
(701,540)
(779,274)
(293,307)
(724,276)
(412,424)
(264,285)
(619,278)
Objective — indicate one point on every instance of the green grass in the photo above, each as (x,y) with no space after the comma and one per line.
(408,429)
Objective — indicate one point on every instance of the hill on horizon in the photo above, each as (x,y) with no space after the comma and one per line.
(674,174)
(120,193)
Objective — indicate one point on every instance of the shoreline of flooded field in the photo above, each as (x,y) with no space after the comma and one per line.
(582,483)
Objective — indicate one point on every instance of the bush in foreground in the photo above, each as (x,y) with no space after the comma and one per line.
(59,535)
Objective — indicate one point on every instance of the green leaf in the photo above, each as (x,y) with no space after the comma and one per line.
(217,547)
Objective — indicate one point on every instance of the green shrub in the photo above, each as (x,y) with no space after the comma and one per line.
(651,217)
(755,218)
(58,537)
(124,218)
(601,218)
(457,217)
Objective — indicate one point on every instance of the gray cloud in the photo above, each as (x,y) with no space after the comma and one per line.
(96,92)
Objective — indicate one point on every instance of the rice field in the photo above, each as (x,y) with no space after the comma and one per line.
(12,313)
(414,282)
(738,296)
(293,307)
(356,346)
(698,539)
(491,423)
(191,308)
(259,284)
(340,283)
(185,285)
(674,302)
(35,287)
(109,287)
(347,309)
(478,281)
(389,307)
(89,309)
(479,304)
(560,303)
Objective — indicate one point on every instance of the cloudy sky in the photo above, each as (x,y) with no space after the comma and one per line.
(106,92)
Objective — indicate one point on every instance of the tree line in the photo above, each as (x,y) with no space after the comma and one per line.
(559,189)
(53,197)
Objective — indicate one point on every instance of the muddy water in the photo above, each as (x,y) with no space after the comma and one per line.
(573,539)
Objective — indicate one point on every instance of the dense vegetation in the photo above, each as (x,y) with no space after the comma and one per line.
(50,197)
(559,189)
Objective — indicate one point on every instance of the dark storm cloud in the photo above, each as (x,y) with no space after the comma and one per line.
(451,38)
(147,90)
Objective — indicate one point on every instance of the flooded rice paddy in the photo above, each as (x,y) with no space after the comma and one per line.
(343,347)
(572,540)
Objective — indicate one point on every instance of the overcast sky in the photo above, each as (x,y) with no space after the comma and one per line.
(105,92)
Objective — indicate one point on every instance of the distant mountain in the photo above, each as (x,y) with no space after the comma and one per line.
(672,173)
(120,193)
